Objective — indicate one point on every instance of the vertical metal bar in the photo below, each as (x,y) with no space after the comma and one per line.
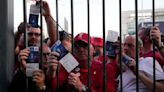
(57,73)
(41,29)
(120,51)
(136,26)
(25,21)
(72,26)
(153,20)
(104,49)
(88,16)
(57,18)
(25,33)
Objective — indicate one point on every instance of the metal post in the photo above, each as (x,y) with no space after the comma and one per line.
(104,49)
(7,43)
(153,20)
(72,26)
(57,73)
(88,16)
(120,51)
(136,26)
(25,32)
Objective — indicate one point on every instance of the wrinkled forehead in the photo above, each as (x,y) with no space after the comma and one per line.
(32,29)
(46,49)
(130,40)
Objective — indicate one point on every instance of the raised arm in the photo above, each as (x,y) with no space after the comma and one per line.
(51,25)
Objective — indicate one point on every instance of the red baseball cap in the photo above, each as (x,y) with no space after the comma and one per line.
(83,37)
(98,41)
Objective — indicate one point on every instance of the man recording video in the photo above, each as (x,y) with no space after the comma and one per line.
(144,34)
(156,35)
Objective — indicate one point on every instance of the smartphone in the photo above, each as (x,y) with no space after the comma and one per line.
(32,63)
(110,49)
(33,20)
(33,55)
(126,59)
(59,48)
(34,15)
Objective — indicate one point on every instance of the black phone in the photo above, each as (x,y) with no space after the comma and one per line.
(33,55)
(126,59)
(33,20)
(110,49)
(32,63)
(34,15)
(59,48)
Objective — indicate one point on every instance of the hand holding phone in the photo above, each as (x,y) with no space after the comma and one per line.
(45,8)
(34,15)
(32,63)
(53,62)
(110,49)
(155,35)
(126,59)
(59,48)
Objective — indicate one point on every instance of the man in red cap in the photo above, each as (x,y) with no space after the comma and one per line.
(78,82)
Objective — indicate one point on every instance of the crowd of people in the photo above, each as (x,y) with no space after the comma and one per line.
(53,77)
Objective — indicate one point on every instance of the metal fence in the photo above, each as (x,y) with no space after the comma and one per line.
(103,31)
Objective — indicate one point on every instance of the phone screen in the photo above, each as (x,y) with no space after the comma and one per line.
(33,55)
(32,61)
(59,48)
(34,15)
(33,20)
(126,59)
(110,49)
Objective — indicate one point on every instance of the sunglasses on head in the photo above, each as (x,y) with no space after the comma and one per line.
(79,44)
(31,34)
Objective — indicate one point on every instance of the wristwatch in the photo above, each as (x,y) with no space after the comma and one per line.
(161,47)
(42,89)
(84,88)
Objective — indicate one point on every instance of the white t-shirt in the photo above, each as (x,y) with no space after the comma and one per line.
(146,65)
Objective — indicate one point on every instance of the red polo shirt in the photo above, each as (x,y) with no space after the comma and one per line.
(112,72)
(96,75)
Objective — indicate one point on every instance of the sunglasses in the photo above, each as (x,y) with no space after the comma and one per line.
(79,44)
(31,34)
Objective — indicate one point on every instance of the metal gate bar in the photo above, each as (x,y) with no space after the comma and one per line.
(88,19)
(41,29)
(25,32)
(120,51)
(72,26)
(136,27)
(104,46)
(153,20)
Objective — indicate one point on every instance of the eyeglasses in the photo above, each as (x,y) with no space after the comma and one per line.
(79,44)
(31,34)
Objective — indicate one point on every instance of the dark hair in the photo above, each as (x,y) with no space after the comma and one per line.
(64,35)
(146,31)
